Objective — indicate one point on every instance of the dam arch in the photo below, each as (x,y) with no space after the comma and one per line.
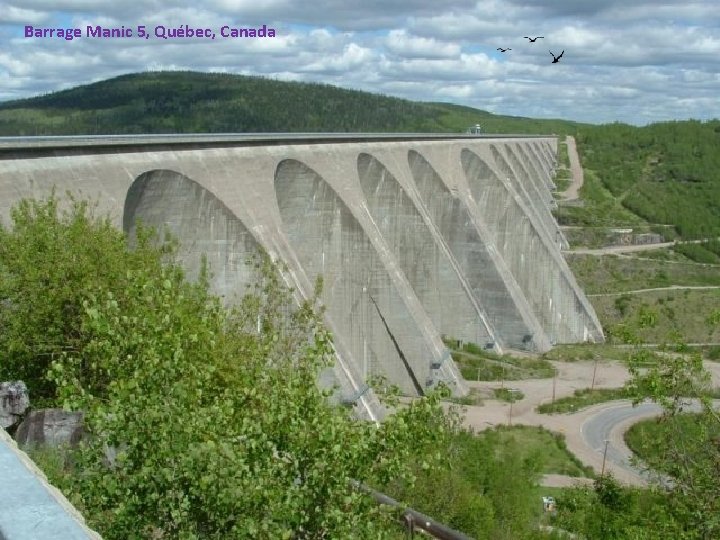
(168,200)
(423,258)
(474,258)
(369,315)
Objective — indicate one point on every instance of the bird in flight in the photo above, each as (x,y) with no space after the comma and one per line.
(503,50)
(533,40)
(556,59)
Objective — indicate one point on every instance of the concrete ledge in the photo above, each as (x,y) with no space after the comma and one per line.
(30,508)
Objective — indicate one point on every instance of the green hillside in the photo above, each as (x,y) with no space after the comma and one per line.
(666,173)
(189,102)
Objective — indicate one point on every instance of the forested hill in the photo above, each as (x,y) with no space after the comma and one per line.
(667,172)
(190,102)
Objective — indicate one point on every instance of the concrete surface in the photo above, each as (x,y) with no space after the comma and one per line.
(415,236)
(30,508)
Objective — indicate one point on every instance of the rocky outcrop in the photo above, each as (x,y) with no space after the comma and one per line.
(14,401)
(53,427)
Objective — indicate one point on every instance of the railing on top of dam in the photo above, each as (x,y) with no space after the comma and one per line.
(96,143)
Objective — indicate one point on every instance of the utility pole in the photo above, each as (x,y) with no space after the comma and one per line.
(602,472)
(592,386)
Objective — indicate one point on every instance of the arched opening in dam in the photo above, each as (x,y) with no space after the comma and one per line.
(527,192)
(524,176)
(549,152)
(424,259)
(542,157)
(514,235)
(366,312)
(204,225)
(533,166)
(540,270)
(493,293)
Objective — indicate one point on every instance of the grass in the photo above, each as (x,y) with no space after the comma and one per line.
(582,398)
(598,237)
(599,208)
(55,462)
(585,352)
(563,156)
(665,254)
(529,440)
(612,273)
(511,395)
(679,312)
(562,180)
(649,439)
(476,364)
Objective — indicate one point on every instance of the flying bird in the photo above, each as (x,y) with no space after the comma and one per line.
(556,59)
(533,40)
(503,50)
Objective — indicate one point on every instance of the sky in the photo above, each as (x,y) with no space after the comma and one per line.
(633,61)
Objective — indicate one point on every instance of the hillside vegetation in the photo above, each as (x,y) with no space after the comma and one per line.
(666,173)
(189,102)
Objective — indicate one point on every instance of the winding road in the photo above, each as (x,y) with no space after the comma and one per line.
(610,424)
(585,430)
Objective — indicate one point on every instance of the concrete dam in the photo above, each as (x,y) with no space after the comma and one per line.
(416,237)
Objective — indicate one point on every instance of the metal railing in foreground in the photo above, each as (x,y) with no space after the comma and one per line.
(414,520)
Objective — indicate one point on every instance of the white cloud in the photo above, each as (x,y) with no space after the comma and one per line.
(622,62)
(401,43)
(16,15)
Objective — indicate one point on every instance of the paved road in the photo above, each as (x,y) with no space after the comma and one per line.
(586,430)
(609,424)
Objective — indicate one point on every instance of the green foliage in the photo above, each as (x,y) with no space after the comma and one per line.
(608,511)
(599,207)
(199,426)
(50,259)
(475,363)
(650,440)
(621,304)
(674,312)
(704,252)
(188,102)
(665,172)
(689,452)
(511,395)
(582,398)
(614,274)
(487,488)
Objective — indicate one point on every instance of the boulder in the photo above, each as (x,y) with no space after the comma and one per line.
(53,427)
(14,401)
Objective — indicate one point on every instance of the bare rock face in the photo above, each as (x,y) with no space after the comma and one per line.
(14,401)
(50,427)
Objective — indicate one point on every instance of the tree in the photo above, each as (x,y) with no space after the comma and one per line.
(198,425)
(693,463)
(51,257)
